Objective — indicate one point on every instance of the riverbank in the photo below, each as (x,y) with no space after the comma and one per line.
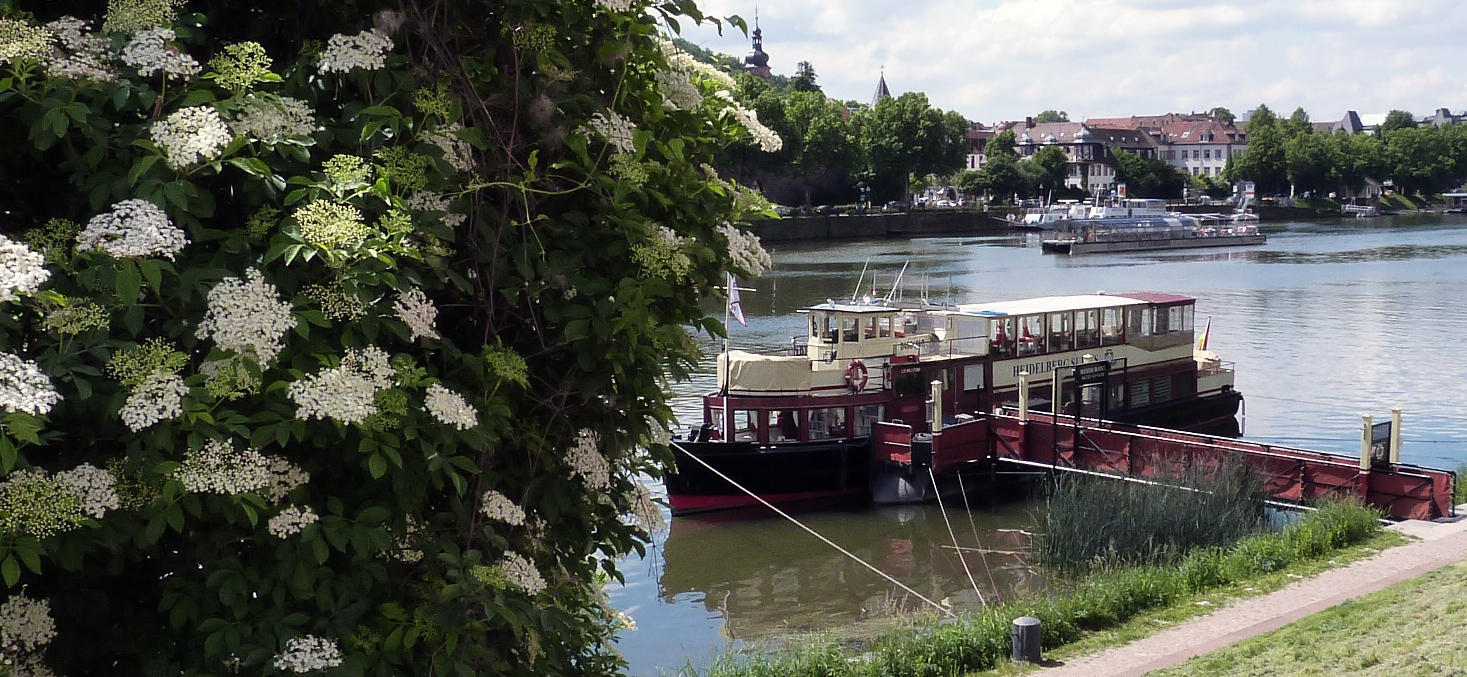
(1094,604)
(1440,545)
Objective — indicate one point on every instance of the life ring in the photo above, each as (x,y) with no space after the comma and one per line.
(856,376)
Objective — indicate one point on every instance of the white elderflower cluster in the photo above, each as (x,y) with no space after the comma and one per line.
(586,462)
(270,119)
(149,51)
(159,398)
(424,201)
(247,316)
(616,5)
(402,547)
(83,54)
(663,255)
(450,408)
(191,135)
(134,228)
(20,41)
(221,468)
(522,573)
(308,654)
(616,130)
(347,393)
(457,152)
(768,141)
(23,387)
(22,271)
(126,16)
(685,62)
(284,478)
(366,50)
(94,487)
(25,625)
(498,507)
(417,311)
(644,512)
(331,224)
(678,92)
(290,521)
(744,249)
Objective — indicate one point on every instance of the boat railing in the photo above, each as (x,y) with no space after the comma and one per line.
(1216,368)
(977,345)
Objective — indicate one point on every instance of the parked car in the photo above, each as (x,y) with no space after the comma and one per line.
(825,209)
(895,206)
(783,210)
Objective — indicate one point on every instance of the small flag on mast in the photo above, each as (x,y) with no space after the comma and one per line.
(1202,340)
(735,307)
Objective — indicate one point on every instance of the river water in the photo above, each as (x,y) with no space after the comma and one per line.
(1326,322)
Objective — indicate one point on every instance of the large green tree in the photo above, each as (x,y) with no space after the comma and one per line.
(335,336)
(1149,177)
(1310,163)
(1265,161)
(1052,116)
(1047,170)
(905,136)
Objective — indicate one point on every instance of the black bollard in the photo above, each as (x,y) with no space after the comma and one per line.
(1026,640)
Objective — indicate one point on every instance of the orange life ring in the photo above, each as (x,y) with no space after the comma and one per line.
(856,377)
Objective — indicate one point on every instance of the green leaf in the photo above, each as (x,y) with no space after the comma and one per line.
(31,558)
(153,271)
(129,283)
(377,465)
(11,568)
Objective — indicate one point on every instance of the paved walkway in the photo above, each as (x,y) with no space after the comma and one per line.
(1441,544)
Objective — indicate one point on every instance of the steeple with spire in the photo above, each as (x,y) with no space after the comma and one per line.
(881,91)
(757,62)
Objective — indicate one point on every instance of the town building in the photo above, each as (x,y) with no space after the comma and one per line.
(757,62)
(978,136)
(1089,152)
(1201,147)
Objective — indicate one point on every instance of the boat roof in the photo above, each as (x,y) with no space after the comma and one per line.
(858,307)
(1054,304)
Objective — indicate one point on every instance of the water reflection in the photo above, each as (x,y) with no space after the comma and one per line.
(768,577)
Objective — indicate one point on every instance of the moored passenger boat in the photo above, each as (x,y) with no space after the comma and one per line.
(1155,233)
(850,414)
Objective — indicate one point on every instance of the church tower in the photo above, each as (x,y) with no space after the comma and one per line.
(881,91)
(757,62)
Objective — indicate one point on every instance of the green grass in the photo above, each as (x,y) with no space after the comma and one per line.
(1103,601)
(1411,628)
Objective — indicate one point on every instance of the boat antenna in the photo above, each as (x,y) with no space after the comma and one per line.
(898,283)
(857,292)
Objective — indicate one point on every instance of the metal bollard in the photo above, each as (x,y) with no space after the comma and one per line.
(1026,640)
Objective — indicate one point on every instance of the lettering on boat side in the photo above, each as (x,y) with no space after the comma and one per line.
(1047,365)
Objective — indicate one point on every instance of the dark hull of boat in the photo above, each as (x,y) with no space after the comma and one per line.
(1213,414)
(1076,247)
(800,475)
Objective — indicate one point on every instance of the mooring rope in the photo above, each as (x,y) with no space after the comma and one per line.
(987,568)
(816,534)
(956,548)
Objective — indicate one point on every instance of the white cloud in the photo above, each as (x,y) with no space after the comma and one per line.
(1004,59)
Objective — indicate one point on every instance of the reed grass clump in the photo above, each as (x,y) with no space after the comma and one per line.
(1106,597)
(1093,523)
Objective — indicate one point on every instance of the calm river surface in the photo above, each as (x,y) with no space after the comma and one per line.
(1327,321)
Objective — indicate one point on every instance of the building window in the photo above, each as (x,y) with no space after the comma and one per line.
(1171,155)
(1207,154)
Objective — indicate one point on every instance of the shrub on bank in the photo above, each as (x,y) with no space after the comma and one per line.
(1101,600)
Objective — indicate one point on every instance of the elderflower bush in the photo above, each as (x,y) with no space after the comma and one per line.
(345,357)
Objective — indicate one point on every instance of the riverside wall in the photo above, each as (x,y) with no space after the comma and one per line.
(875,226)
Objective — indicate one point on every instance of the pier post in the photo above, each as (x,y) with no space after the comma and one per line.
(935,392)
(1026,648)
(1395,435)
(1024,396)
(1366,433)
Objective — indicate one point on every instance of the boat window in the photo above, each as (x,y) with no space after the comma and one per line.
(1140,393)
(943,375)
(885,326)
(848,330)
(1159,326)
(1003,337)
(1087,328)
(867,416)
(827,423)
(815,325)
(1184,384)
(1161,388)
(870,327)
(1031,334)
(908,383)
(746,426)
(715,420)
(1117,396)
(1133,322)
(972,377)
(1112,330)
(827,329)
(1060,331)
(784,425)
(1146,315)
(1175,321)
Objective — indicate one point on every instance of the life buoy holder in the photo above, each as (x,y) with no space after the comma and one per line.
(856,376)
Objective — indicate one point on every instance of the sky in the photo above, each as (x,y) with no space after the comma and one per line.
(998,60)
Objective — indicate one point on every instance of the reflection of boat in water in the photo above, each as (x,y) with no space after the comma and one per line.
(886,399)
(767,577)
(1178,231)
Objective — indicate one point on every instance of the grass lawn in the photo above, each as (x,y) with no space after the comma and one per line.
(1411,628)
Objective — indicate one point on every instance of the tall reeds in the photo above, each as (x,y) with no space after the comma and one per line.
(1093,522)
